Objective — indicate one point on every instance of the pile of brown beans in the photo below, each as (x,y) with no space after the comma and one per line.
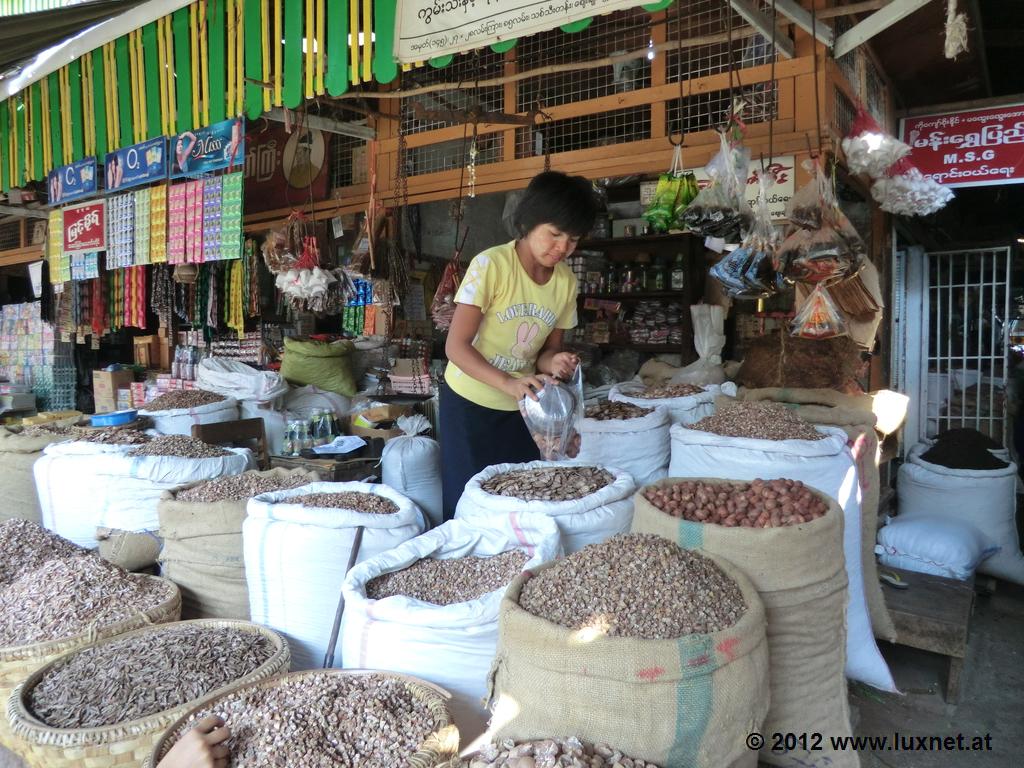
(758,504)
(182,398)
(615,411)
(352,500)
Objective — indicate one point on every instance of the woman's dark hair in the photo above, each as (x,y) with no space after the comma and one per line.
(567,202)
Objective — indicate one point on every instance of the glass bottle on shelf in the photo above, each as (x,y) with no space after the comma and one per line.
(288,444)
(679,273)
(659,275)
(304,440)
(324,427)
(628,278)
(612,279)
(643,281)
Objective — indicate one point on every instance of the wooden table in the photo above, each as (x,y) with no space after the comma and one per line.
(352,466)
(932,614)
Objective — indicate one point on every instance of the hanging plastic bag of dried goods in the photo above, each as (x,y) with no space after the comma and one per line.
(554,417)
(719,209)
(442,308)
(819,317)
(823,246)
(661,213)
(869,149)
(688,191)
(749,272)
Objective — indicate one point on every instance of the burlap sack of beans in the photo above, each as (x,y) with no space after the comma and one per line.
(799,573)
(853,414)
(128,549)
(17,455)
(689,701)
(202,552)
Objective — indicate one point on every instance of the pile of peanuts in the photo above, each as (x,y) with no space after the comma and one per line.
(758,504)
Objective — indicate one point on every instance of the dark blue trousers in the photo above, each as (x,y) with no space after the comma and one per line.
(474,437)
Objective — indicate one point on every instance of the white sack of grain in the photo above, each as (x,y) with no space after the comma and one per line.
(450,645)
(983,498)
(682,410)
(411,464)
(589,520)
(84,486)
(296,557)
(826,465)
(639,446)
(18,454)
(179,421)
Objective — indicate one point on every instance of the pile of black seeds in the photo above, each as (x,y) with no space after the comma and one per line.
(964,449)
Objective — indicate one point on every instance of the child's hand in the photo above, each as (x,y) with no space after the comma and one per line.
(202,747)
(563,365)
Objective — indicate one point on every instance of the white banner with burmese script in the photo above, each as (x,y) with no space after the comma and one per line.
(425,29)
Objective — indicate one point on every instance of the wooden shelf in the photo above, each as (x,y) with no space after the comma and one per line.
(606,242)
(634,295)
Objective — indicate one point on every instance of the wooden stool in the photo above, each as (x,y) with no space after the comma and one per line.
(932,614)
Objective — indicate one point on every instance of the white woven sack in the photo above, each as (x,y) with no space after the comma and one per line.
(179,421)
(682,410)
(986,499)
(233,378)
(84,486)
(295,559)
(948,548)
(411,464)
(639,446)
(826,465)
(590,520)
(450,645)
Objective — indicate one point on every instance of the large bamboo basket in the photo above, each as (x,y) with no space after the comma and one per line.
(438,749)
(19,661)
(122,744)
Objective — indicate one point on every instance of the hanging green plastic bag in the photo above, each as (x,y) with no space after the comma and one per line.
(661,213)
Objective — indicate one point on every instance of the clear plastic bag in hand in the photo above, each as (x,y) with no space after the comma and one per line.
(719,210)
(554,417)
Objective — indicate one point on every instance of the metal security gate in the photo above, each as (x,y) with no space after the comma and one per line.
(950,329)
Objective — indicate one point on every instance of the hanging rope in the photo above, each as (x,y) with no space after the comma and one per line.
(817,93)
(771,92)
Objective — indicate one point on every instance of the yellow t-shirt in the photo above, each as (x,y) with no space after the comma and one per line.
(519,315)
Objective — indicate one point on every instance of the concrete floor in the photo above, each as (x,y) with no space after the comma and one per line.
(992,694)
(991,699)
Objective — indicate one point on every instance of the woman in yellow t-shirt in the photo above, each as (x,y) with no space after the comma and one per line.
(513,307)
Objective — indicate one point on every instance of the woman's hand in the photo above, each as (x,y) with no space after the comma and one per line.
(563,365)
(202,747)
(525,386)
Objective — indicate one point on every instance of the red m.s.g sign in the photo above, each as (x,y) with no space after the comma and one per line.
(970,148)
(85,227)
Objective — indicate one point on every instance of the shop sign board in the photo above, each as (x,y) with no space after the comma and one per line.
(138,164)
(85,227)
(285,169)
(426,29)
(204,150)
(968,148)
(71,182)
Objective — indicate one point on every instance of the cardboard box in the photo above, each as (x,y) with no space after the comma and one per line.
(368,434)
(388,412)
(104,388)
(124,399)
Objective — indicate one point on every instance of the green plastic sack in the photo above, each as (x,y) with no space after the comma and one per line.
(661,212)
(324,365)
(688,189)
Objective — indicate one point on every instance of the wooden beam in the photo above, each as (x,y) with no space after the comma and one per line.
(877,22)
(802,18)
(326,124)
(24,213)
(956,106)
(851,9)
(763,24)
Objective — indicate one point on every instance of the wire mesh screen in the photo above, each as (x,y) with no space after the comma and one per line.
(466,70)
(848,63)
(604,129)
(845,112)
(704,111)
(710,18)
(621,32)
(10,235)
(875,91)
(348,161)
(448,155)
